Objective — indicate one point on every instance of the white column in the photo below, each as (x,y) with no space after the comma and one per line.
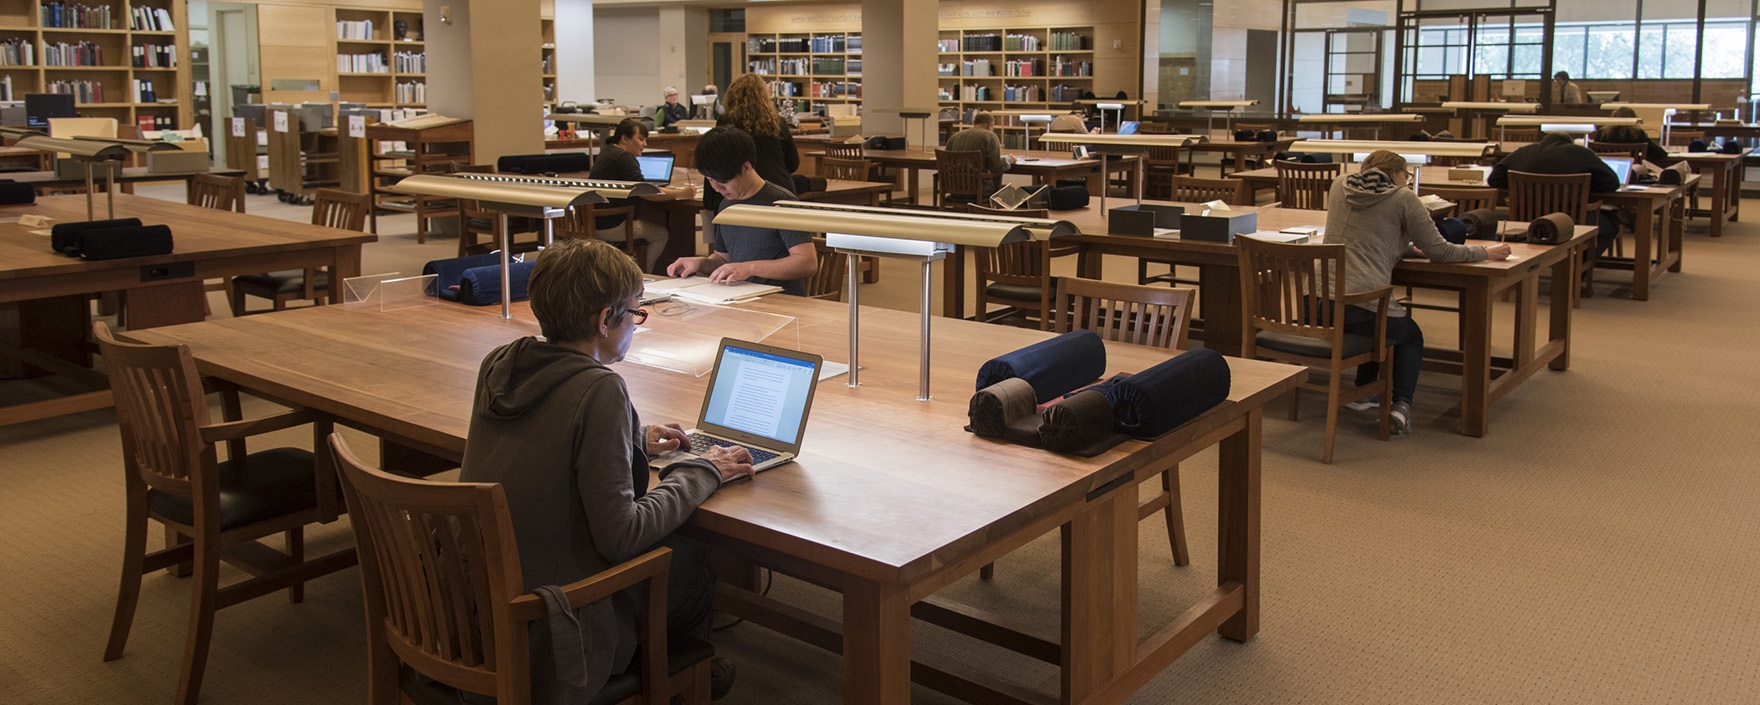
(485,65)
(898,62)
(684,49)
(574,51)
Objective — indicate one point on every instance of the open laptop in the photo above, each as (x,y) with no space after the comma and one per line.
(758,397)
(1128,127)
(1622,168)
(656,168)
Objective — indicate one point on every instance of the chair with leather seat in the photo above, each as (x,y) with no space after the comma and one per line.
(212,510)
(845,169)
(1160,167)
(1534,195)
(1017,274)
(330,208)
(830,281)
(959,179)
(854,151)
(1289,315)
(1304,186)
(582,221)
(1141,315)
(448,611)
(1518,134)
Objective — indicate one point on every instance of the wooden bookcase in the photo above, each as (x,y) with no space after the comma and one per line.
(423,151)
(547,29)
(810,68)
(107,68)
(1014,67)
(374,64)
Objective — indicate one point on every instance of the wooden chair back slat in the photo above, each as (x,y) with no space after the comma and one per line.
(1682,138)
(341,209)
(159,408)
(1534,195)
(828,283)
(959,174)
(1192,189)
(843,150)
(1304,186)
(221,193)
(1465,198)
(846,169)
(1521,134)
(1143,315)
(1288,289)
(1635,150)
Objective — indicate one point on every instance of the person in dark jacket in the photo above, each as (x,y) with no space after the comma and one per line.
(1555,153)
(554,426)
(1632,134)
(617,161)
(672,111)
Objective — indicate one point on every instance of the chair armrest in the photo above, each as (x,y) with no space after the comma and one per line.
(233,430)
(1384,294)
(651,566)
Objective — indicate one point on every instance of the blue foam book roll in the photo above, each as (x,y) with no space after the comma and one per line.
(448,272)
(1159,399)
(481,286)
(1054,367)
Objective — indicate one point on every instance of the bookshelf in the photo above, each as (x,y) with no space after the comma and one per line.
(813,69)
(1033,67)
(376,62)
(122,59)
(396,151)
(547,30)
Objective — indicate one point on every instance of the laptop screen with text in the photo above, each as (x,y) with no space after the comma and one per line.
(656,168)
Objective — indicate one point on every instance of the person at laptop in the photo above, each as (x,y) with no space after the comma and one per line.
(1557,153)
(617,161)
(554,426)
(1379,220)
(1632,134)
(784,258)
(981,137)
(671,111)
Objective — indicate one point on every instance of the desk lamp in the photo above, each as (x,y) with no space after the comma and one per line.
(531,196)
(87,152)
(1105,143)
(1229,108)
(924,236)
(922,115)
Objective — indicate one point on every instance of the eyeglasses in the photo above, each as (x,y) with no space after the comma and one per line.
(640,314)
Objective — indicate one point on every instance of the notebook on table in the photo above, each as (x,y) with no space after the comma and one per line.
(656,168)
(758,397)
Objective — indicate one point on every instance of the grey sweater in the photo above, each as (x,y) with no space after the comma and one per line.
(1378,223)
(556,429)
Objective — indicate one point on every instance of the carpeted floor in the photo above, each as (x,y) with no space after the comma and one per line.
(1599,546)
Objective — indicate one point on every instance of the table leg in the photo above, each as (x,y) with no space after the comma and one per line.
(1560,328)
(1677,230)
(1237,518)
(1719,198)
(877,644)
(1476,356)
(1527,319)
(1642,249)
(953,284)
(1220,305)
(1099,593)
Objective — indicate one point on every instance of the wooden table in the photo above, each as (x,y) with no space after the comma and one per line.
(1043,169)
(1243,150)
(26,158)
(1485,378)
(43,294)
(1725,172)
(885,523)
(125,181)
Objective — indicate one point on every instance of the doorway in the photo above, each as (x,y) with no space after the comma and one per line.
(233,74)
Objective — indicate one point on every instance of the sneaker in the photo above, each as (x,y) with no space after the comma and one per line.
(721,674)
(1364,404)
(1402,417)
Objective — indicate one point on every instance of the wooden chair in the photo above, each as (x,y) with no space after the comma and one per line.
(330,208)
(1465,198)
(1018,273)
(1682,138)
(959,179)
(212,510)
(1192,189)
(1534,195)
(853,152)
(846,169)
(1141,315)
(1518,134)
(1304,186)
(1289,315)
(445,598)
(1160,167)
(583,222)
(479,231)
(829,282)
(222,193)
(1635,150)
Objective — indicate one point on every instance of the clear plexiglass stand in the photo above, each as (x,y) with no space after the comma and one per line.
(391,291)
(683,337)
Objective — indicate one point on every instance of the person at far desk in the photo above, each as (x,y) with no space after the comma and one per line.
(553,424)
(1379,220)
(981,137)
(1557,153)
(1564,91)
(672,111)
(784,258)
(1632,134)
(1074,121)
(617,161)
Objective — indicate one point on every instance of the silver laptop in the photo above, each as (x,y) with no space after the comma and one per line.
(758,397)
(1622,168)
(656,168)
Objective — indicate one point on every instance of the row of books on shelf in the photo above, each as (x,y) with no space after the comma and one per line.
(815,89)
(414,62)
(155,56)
(141,91)
(6,88)
(150,19)
(18,52)
(1058,41)
(82,91)
(412,92)
(154,123)
(75,16)
(778,45)
(1010,94)
(362,63)
(354,29)
(1026,68)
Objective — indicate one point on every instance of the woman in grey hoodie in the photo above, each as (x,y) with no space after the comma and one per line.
(1379,221)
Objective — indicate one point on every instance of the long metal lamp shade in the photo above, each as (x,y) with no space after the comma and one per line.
(519,191)
(1038,228)
(80,149)
(1488,105)
(588,118)
(1652,106)
(1144,141)
(1433,149)
(955,232)
(1217,103)
(1383,118)
(21,132)
(1538,120)
(132,145)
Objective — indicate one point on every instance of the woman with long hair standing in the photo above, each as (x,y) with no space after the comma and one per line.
(747,106)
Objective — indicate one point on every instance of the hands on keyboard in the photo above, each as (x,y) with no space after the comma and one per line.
(701,443)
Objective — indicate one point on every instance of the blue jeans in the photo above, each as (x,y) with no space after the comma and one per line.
(1408,349)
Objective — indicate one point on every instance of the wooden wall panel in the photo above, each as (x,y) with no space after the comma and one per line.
(296,43)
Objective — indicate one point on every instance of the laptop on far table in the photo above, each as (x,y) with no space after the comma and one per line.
(758,397)
(1622,168)
(656,168)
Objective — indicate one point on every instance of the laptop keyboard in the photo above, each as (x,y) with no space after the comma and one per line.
(701,443)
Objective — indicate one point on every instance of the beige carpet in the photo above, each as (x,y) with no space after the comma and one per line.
(1599,546)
